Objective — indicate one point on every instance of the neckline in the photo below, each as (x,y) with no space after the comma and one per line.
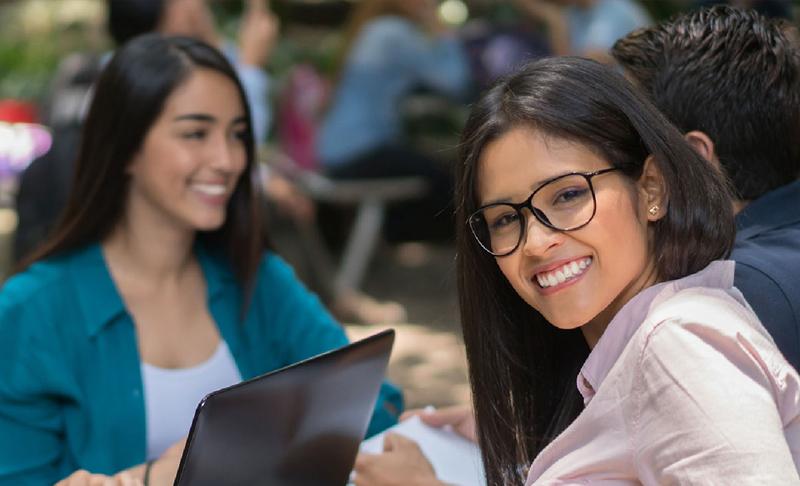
(220,351)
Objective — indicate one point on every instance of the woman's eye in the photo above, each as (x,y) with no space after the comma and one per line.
(570,195)
(241,135)
(504,220)
(194,135)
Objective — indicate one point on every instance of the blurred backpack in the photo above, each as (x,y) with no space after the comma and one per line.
(300,107)
(45,184)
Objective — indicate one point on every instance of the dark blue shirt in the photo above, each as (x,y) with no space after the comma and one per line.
(767,254)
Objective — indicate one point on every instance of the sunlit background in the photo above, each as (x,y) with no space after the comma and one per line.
(35,35)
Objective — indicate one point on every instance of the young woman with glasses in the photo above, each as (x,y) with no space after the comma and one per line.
(156,288)
(606,343)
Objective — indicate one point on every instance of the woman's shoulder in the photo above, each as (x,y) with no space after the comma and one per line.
(36,303)
(274,272)
(723,310)
(709,324)
(43,279)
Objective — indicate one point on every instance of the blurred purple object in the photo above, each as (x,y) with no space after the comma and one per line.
(20,144)
(496,50)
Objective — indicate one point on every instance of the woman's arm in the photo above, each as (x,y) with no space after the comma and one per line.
(32,447)
(707,404)
(160,472)
(438,61)
(257,38)
(301,327)
(553,18)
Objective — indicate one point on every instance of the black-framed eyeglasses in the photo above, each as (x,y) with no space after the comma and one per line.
(565,203)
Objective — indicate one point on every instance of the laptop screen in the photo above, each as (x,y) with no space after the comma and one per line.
(300,425)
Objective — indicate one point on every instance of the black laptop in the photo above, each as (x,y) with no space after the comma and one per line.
(300,425)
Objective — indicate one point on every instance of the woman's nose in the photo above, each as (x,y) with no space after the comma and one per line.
(538,238)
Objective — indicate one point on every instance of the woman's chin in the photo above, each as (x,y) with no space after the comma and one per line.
(566,320)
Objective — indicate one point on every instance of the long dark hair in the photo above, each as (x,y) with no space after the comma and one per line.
(522,369)
(128,98)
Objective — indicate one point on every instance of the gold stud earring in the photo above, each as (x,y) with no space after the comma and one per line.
(653,210)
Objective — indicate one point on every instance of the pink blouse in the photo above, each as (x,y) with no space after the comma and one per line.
(684,387)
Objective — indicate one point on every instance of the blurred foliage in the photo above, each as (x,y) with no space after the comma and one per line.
(26,67)
(322,56)
(36,34)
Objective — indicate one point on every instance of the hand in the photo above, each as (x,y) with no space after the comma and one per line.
(401,463)
(258,33)
(162,472)
(289,200)
(460,417)
(165,468)
(85,478)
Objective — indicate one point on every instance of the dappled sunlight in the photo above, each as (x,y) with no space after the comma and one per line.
(429,365)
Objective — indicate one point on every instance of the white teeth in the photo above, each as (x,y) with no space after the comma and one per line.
(210,189)
(564,273)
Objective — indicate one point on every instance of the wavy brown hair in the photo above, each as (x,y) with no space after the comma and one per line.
(522,369)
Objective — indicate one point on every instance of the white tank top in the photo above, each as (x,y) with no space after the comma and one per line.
(171,396)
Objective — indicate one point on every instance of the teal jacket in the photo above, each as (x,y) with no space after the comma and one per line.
(70,383)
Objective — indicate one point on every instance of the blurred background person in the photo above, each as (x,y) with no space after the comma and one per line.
(730,80)
(156,287)
(585,28)
(500,40)
(390,48)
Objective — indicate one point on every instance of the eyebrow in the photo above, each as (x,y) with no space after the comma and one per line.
(202,117)
(535,186)
(195,117)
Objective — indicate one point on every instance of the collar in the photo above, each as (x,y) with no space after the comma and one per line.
(101,302)
(718,274)
(98,298)
(774,209)
(218,275)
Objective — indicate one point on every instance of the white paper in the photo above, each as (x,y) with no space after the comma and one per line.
(455,459)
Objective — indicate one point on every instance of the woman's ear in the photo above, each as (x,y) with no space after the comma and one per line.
(653,195)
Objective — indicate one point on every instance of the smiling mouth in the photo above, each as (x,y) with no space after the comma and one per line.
(212,190)
(564,273)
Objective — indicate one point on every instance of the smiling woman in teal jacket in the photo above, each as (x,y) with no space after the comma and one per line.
(157,286)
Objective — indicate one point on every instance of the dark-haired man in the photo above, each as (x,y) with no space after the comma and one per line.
(730,80)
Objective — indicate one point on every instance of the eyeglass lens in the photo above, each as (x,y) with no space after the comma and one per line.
(565,203)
